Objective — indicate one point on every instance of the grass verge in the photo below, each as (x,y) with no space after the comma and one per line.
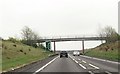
(105,51)
(17,54)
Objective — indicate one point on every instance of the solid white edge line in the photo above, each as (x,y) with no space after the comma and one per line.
(82,66)
(45,65)
(76,61)
(94,66)
(108,72)
(100,59)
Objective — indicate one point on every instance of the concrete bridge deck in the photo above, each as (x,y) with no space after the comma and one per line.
(72,39)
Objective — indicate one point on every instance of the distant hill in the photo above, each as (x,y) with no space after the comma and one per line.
(107,51)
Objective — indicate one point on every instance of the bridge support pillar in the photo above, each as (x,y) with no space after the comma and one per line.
(54,47)
(83,46)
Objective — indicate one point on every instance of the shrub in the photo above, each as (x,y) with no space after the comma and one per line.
(15,45)
(29,49)
(25,53)
(21,50)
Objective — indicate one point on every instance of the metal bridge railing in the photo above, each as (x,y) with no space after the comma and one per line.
(68,36)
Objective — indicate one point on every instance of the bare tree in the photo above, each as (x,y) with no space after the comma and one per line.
(29,37)
(101,35)
(27,33)
(110,34)
(35,36)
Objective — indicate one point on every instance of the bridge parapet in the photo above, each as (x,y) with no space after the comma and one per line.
(71,39)
(68,36)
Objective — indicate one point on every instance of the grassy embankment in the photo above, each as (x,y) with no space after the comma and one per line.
(106,51)
(0,55)
(17,54)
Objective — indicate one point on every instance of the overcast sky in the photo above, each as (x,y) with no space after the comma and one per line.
(57,17)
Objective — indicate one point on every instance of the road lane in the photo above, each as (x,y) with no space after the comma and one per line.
(63,65)
(96,65)
(34,66)
(45,65)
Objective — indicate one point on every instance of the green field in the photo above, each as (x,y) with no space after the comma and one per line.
(17,54)
(105,51)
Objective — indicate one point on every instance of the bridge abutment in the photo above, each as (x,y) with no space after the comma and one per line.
(54,47)
(83,51)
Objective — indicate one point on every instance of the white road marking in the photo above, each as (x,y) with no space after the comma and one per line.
(83,61)
(71,58)
(94,66)
(79,64)
(90,72)
(108,72)
(76,61)
(100,59)
(82,66)
(45,65)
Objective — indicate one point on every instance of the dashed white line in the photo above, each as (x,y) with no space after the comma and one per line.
(72,58)
(79,59)
(82,66)
(79,64)
(45,65)
(94,66)
(83,61)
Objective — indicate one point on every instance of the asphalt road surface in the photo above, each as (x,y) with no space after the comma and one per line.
(73,64)
(63,65)
(80,64)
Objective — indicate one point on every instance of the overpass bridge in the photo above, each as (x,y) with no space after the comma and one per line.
(71,39)
(60,39)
